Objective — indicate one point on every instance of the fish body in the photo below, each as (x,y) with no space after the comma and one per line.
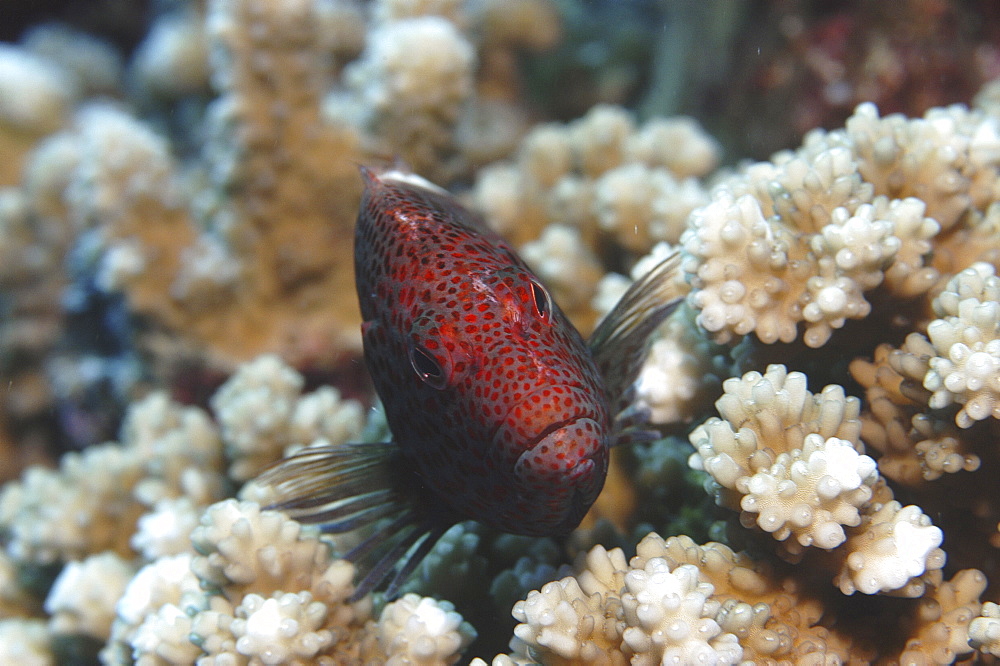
(499,410)
(491,394)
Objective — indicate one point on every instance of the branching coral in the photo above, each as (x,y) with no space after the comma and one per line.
(747,613)
(262,412)
(92,502)
(793,463)
(83,598)
(601,171)
(966,339)
(801,239)
(37,96)
(603,175)
(263,589)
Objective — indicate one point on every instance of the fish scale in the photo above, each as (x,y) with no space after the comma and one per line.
(496,406)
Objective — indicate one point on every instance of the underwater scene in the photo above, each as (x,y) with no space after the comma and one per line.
(499,332)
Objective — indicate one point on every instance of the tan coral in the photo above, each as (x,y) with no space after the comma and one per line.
(648,612)
(770,616)
(37,95)
(944,616)
(93,501)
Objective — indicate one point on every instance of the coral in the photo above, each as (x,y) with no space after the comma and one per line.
(24,641)
(944,629)
(283,628)
(83,598)
(412,80)
(801,239)
(172,60)
(262,413)
(892,548)
(94,500)
(264,589)
(681,373)
(175,221)
(419,630)
(748,612)
(984,631)
(645,612)
(793,463)
(166,528)
(561,258)
(670,619)
(602,175)
(601,171)
(37,97)
(966,338)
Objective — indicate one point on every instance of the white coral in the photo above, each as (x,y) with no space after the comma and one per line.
(242,546)
(565,264)
(671,617)
(966,369)
(750,273)
(416,630)
(679,144)
(763,416)
(984,631)
(642,205)
(924,157)
(254,408)
(812,492)
(263,414)
(82,599)
(25,642)
(410,84)
(74,511)
(164,581)
(325,414)
(163,638)
(166,530)
(35,94)
(564,620)
(892,549)
(284,628)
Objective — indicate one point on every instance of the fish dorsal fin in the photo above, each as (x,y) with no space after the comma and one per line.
(619,344)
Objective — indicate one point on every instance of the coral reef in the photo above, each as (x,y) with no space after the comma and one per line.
(176,276)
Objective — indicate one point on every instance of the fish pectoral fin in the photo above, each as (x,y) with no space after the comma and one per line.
(341,487)
(352,486)
(618,344)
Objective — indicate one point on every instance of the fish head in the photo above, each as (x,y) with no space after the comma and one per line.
(558,438)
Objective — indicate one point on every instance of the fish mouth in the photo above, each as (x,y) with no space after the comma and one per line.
(568,448)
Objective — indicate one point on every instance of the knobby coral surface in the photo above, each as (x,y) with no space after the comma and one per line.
(191,208)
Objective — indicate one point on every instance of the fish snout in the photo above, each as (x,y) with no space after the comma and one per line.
(572,457)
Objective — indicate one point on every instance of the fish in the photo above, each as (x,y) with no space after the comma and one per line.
(499,411)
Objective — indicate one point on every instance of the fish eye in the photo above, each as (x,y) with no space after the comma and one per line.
(427,367)
(543,302)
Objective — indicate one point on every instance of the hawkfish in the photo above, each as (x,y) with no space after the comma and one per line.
(499,411)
